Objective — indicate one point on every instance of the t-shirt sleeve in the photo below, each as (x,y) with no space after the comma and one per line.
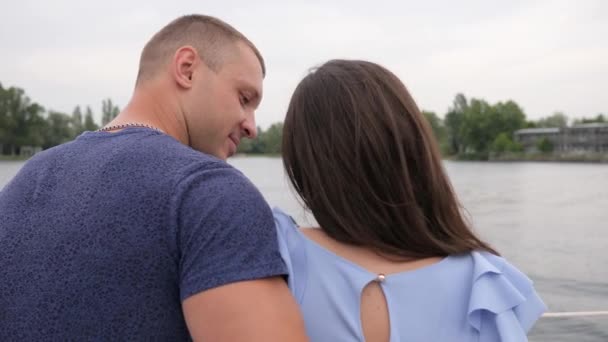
(225,231)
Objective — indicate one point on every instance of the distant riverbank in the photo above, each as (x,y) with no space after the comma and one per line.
(534,157)
(566,158)
(514,157)
(12,158)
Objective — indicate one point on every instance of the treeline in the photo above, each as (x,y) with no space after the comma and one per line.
(267,142)
(471,128)
(475,129)
(27,123)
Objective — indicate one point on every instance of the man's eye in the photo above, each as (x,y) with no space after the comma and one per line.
(244,100)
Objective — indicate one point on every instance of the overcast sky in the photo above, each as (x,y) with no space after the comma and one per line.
(546,55)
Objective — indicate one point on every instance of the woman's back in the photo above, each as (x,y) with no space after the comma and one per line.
(364,161)
(374,313)
(344,297)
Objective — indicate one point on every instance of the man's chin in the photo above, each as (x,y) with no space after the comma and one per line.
(226,154)
(223,156)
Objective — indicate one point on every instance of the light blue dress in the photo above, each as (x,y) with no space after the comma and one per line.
(472,297)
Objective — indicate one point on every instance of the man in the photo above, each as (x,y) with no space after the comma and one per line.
(133,233)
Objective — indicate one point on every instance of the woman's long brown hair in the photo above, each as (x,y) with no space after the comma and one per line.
(364,160)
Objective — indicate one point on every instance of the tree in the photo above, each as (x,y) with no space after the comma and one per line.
(600,118)
(531,124)
(439,130)
(89,122)
(108,111)
(480,124)
(503,143)
(544,145)
(453,124)
(20,120)
(77,123)
(3,115)
(254,146)
(37,125)
(58,130)
(557,119)
(476,132)
(271,138)
(508,117)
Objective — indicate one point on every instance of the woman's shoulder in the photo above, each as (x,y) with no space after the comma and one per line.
(292,251)
(285,225)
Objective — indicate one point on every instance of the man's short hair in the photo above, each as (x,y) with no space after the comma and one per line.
(211,37)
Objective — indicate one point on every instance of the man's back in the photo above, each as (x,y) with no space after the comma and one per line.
(103,237)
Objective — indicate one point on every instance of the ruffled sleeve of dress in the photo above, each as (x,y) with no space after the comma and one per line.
(503,305)
(293,252)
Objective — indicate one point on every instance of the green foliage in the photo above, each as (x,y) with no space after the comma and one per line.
(439,130)
(475,130)
(453,124)
(25,123)
(58,130)
(517,147)
(89,122)
(77,122)
(558,119)
(272,138)
(108,111)
(544,145)
(503,144)
(600,118)
(21,120)
(472,128)
(531,124)
(267,142)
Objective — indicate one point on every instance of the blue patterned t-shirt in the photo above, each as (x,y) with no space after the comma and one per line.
(102,238)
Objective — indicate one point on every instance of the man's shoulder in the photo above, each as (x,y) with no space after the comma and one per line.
(215,179)
(166,157)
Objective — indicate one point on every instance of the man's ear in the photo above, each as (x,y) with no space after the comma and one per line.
(185,61)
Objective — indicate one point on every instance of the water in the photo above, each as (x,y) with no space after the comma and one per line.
(7,170)
(548,219)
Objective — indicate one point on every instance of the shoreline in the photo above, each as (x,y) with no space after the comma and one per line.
(566,159)
(583,158)
(13,158)
(586,158)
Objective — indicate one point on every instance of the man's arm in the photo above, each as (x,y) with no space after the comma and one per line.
(230,266)
(255,310)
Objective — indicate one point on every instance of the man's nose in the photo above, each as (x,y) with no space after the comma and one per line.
(248,128)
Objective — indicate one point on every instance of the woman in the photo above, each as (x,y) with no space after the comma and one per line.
(394,259)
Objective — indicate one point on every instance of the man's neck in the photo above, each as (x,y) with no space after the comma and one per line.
(153,107)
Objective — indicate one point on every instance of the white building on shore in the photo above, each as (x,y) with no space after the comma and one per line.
(582,138)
